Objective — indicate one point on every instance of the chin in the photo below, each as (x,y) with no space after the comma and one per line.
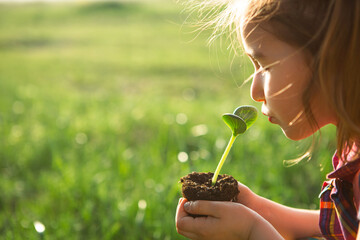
(296,134)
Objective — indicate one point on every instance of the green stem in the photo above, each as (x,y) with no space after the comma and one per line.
(223,158)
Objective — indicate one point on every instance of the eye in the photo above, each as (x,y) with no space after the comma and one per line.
(258,66)
(256,63)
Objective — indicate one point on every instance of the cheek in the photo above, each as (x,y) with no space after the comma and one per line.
(288,81)
(284,97)
(283,90)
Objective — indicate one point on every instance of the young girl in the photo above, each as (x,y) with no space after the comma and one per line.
(306,55)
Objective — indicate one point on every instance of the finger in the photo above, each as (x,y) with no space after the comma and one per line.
(201,207)
(191,227)
(194,228)
(180,214)
(184,221)
(188,235)
(241,193)
(244,194)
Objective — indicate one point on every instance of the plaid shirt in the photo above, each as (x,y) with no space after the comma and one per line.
(338,214)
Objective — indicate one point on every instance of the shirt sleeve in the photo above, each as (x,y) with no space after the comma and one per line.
(356,188)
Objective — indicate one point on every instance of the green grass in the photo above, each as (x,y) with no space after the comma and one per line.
(91,102)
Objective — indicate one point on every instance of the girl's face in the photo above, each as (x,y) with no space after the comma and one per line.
(281,75)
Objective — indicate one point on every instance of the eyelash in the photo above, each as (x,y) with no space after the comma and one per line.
(258,67)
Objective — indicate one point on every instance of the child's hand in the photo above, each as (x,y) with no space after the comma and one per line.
(223,220)
(246,196)
(220,221)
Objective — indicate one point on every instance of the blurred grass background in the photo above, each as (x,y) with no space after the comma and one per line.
(104,106)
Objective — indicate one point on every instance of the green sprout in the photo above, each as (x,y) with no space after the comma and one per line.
(239,121)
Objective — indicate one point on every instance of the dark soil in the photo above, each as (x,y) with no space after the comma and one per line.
(197,186)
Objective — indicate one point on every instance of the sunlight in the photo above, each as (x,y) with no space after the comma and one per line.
(39,227)
(282,90)
(296,118)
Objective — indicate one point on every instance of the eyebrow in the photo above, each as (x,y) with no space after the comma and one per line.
(260,57)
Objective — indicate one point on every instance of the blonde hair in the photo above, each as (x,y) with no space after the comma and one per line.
(328,29)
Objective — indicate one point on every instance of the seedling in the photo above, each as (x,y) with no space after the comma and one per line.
(239,121)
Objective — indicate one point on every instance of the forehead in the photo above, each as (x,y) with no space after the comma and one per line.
(260,42)
(255,37)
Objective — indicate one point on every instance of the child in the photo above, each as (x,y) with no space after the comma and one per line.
(306,55)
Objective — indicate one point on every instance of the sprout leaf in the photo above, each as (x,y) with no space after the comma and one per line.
(235,123)
(247,113)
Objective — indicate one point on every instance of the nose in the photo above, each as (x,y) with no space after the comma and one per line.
(257,87)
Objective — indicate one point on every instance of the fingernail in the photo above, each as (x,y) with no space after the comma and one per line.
(187,205)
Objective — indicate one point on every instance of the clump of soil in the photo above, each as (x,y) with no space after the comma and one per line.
(197,186)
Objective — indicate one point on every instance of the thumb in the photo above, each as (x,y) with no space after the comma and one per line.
(202,207)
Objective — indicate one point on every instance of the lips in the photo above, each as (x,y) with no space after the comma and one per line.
(271,119)
(265,111)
